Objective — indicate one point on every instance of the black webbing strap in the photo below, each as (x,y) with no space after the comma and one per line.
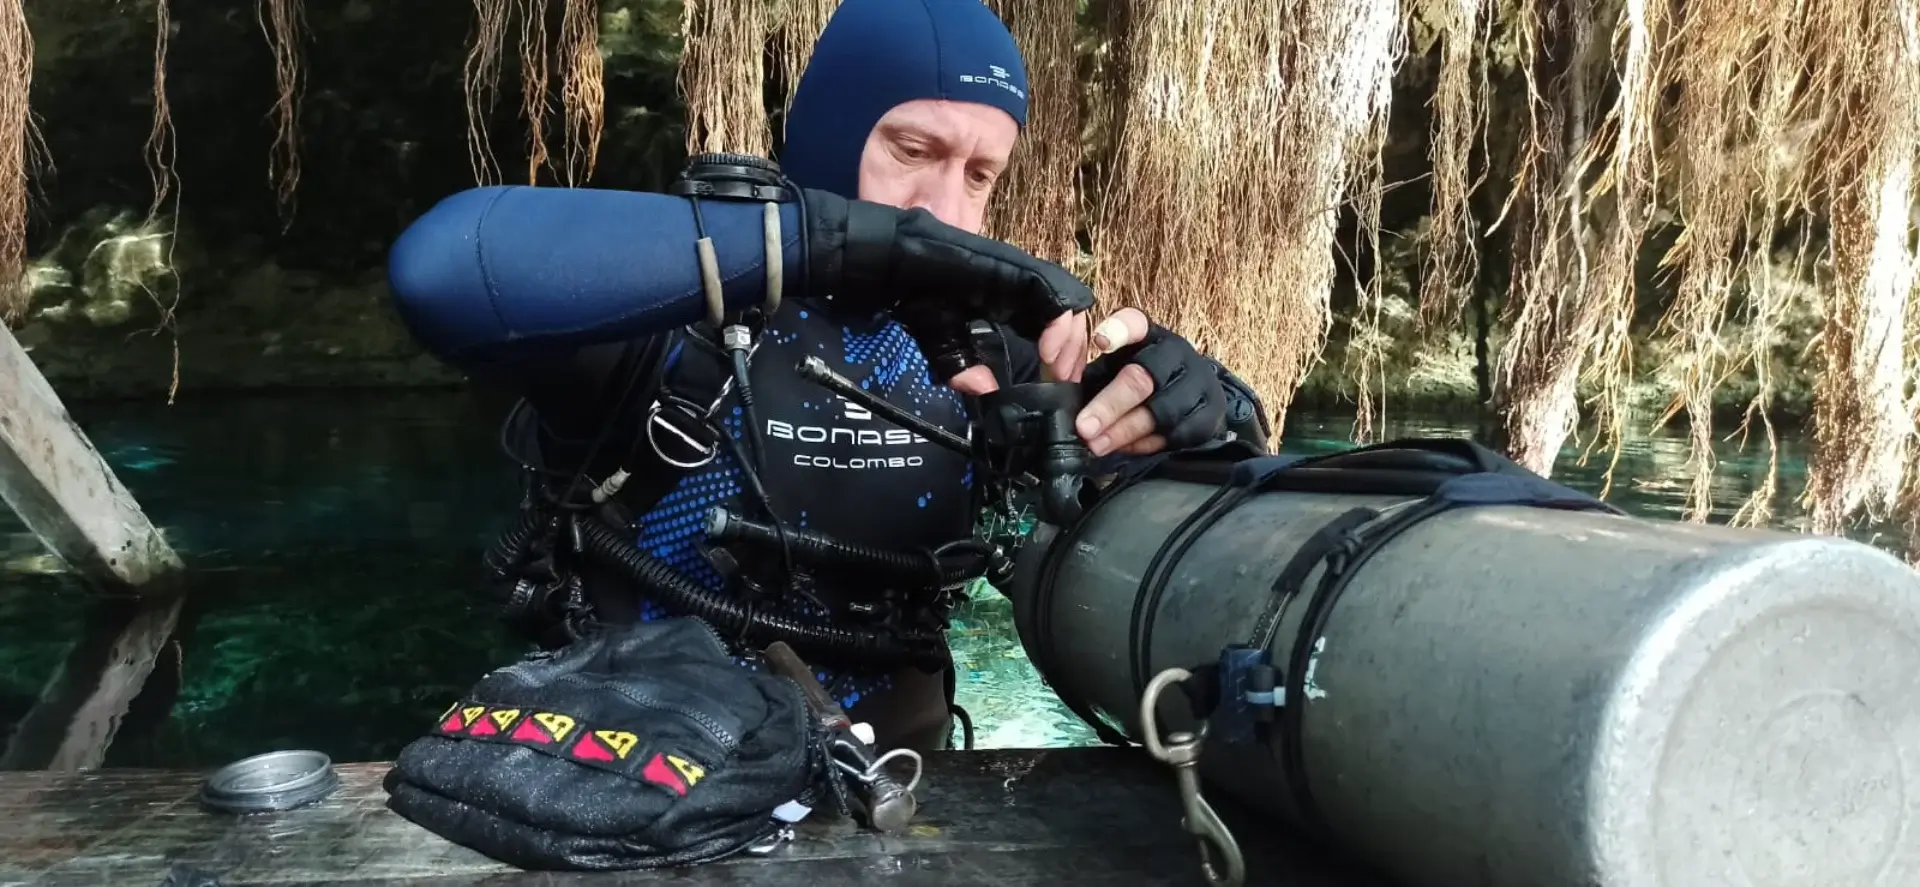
(1037,605)
(1343,546)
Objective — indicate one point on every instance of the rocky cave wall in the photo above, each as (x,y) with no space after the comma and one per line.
(261,296)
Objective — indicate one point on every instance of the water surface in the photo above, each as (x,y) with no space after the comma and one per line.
(334,541)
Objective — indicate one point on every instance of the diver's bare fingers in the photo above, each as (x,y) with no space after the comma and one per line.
(1063,348)
(1127,392)
(1126,431)
(975,380)
(1125,327)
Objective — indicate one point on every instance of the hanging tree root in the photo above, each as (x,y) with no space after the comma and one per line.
(1555,312)
(1737,69)
(722,76)
(1747,87)
(284,23)
(1619,158)
(1233,157)
(1036,205)
(795,27)
(1460,105)
(160,153)
(533,83)
(1449,257)
(20,145)
(480,81)
(582,90)
(1864,68)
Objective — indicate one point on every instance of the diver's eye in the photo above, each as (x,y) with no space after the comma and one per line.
(913,152)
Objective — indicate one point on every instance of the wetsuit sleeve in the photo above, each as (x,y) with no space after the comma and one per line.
(501,278)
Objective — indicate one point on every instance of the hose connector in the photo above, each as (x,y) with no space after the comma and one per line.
(1030,428)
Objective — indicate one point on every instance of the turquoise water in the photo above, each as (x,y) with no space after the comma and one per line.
(333,541)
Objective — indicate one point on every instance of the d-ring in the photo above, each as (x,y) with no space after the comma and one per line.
(654,423)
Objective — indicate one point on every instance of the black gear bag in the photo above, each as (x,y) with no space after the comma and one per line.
(640,746)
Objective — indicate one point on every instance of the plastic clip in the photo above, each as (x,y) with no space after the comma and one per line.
(1220,857)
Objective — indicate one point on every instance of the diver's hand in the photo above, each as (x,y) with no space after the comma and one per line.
(932,277)
(1063,357)
(1154,390)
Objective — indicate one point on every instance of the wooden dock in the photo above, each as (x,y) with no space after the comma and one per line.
(1052,817)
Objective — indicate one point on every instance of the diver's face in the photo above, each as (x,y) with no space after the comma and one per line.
(938,155)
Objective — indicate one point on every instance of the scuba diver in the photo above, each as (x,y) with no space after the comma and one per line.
(914,105)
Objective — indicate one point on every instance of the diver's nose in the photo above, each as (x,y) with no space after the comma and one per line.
(944,194)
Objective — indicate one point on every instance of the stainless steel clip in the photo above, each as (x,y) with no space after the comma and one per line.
(1220,855)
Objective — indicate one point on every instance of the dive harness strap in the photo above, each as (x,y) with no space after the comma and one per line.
(678,394)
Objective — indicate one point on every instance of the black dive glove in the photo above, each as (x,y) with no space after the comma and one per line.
(1189,403)
(932,277)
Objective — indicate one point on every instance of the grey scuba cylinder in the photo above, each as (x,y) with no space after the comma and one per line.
(1515,696)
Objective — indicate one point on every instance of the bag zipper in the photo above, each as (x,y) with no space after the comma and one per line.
(714,730)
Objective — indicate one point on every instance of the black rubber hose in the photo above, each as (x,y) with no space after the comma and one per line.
(925,650)
(821,550)
(504,556)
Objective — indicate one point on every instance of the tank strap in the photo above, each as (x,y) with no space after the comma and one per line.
(1245,479)
(1415,467)
(1037,607)
(1248,692)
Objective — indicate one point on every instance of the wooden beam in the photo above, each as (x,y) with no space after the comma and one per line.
(53,478)
(1012,818)
(83,706)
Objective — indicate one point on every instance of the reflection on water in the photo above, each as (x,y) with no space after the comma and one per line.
(333,541)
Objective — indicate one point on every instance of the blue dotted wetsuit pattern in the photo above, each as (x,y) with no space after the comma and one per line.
(830,465)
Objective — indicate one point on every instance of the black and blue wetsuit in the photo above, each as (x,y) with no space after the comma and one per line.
(834,467)
(567,296)
(564,295)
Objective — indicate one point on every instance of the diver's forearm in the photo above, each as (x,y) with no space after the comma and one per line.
(497,270)
(490,275)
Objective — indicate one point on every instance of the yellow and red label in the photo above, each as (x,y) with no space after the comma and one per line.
(563,736)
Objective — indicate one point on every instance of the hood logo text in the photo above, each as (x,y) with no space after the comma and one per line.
(998,77)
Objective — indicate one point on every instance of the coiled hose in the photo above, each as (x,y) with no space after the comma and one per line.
(925,650)
(518,600)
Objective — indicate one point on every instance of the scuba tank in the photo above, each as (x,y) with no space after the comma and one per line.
(1468,675)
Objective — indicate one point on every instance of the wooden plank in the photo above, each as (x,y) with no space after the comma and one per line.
(82,707)
(52,476)
(1054,817)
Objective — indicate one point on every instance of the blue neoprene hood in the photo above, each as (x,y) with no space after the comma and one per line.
(877,54)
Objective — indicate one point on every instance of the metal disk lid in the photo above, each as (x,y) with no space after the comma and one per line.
(280,780)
